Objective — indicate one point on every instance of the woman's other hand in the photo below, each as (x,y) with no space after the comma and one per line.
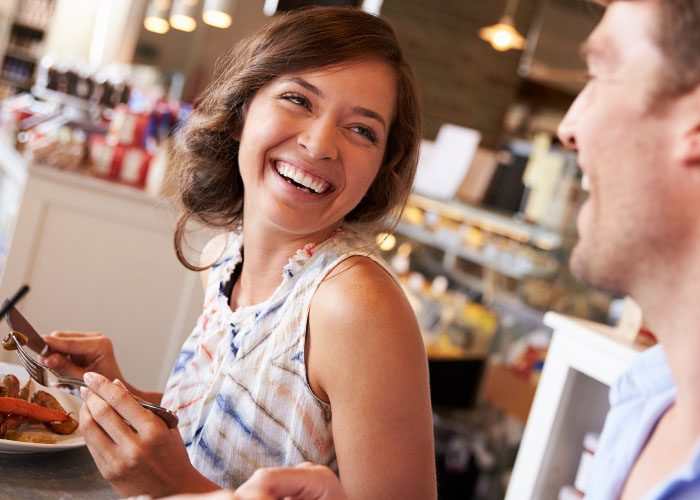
(133,449)
(79,352)
(304,482)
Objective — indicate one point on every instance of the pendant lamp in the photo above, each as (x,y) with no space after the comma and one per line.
(156,19)
(218,13)
(184,14)
(503,36)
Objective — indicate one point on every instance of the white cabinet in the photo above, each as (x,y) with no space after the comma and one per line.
(99,257)
(584,358)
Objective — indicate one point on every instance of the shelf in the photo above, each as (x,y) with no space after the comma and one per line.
(23,55)
(19,84)
(67,100)
(506,263)
(32,31)
(491,221)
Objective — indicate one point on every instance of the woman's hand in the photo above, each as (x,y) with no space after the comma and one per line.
(133,448)
(81,352)
(304,482)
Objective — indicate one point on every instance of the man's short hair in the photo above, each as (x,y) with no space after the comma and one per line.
(677,34)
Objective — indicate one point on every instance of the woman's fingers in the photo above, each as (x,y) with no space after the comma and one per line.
(73,335)
(76,353)
(97,441)
(80,345)
(111,405)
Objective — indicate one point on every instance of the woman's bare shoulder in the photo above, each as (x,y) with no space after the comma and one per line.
(358,298)
(355,280)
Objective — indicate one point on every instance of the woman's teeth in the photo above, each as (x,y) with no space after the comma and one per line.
(301,179)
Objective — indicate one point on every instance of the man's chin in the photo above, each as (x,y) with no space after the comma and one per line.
(585,268)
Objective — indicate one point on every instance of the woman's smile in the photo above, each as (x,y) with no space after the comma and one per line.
(301,178)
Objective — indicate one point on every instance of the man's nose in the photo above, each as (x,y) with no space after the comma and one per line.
(568,127)
(318,138)
(566,131)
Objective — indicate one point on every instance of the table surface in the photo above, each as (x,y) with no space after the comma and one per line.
(66,474)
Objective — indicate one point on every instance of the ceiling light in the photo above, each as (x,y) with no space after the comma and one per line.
(218,13)
(156,19)
(183,15)
(503,36)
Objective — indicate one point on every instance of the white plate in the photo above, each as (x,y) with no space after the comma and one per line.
(69,402)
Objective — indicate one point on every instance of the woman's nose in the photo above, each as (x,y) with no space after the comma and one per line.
(318,138)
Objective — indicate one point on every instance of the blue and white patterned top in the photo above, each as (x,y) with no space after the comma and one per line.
(239,385)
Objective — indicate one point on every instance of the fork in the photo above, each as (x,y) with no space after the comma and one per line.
(47,377)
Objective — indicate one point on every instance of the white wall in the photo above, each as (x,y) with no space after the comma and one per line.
(71,29)
(100,32)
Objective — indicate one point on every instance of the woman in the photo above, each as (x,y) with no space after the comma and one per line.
(307,350)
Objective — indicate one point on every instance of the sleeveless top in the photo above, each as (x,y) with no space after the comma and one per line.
(239,385)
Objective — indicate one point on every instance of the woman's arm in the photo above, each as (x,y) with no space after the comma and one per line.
(366,357)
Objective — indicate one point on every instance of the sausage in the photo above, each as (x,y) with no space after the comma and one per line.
(24,391)
(10,423)
(10,386)
(8,342)
(45,399)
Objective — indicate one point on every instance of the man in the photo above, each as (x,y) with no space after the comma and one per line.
(636,128)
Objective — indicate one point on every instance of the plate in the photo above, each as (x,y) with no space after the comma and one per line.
(69,402)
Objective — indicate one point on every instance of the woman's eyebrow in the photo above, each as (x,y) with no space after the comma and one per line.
(300,81)
(316,91)
(370,114)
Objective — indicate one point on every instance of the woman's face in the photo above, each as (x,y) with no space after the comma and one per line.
(312,143)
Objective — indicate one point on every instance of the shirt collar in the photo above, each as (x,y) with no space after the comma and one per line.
(648,375)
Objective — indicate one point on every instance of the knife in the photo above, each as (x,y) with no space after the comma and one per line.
(19,323)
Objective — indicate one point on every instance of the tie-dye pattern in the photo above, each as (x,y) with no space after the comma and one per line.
(239,384)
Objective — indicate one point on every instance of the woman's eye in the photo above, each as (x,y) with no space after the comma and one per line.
(366,132)
(297,99)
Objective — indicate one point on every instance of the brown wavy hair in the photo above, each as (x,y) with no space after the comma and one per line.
(209,184)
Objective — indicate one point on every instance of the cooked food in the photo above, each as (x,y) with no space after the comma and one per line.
(34,411)
(46,400)
(28,437)
(10,423)
(8,342)
(18,416)
(9,386)
(24,391)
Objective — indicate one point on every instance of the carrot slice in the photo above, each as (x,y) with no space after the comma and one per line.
(31,410)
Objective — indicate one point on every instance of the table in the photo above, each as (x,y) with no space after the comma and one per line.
(69,474)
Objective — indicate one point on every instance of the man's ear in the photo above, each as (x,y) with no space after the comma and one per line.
(688,151)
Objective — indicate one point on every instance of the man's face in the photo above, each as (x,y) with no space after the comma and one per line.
(624,136)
